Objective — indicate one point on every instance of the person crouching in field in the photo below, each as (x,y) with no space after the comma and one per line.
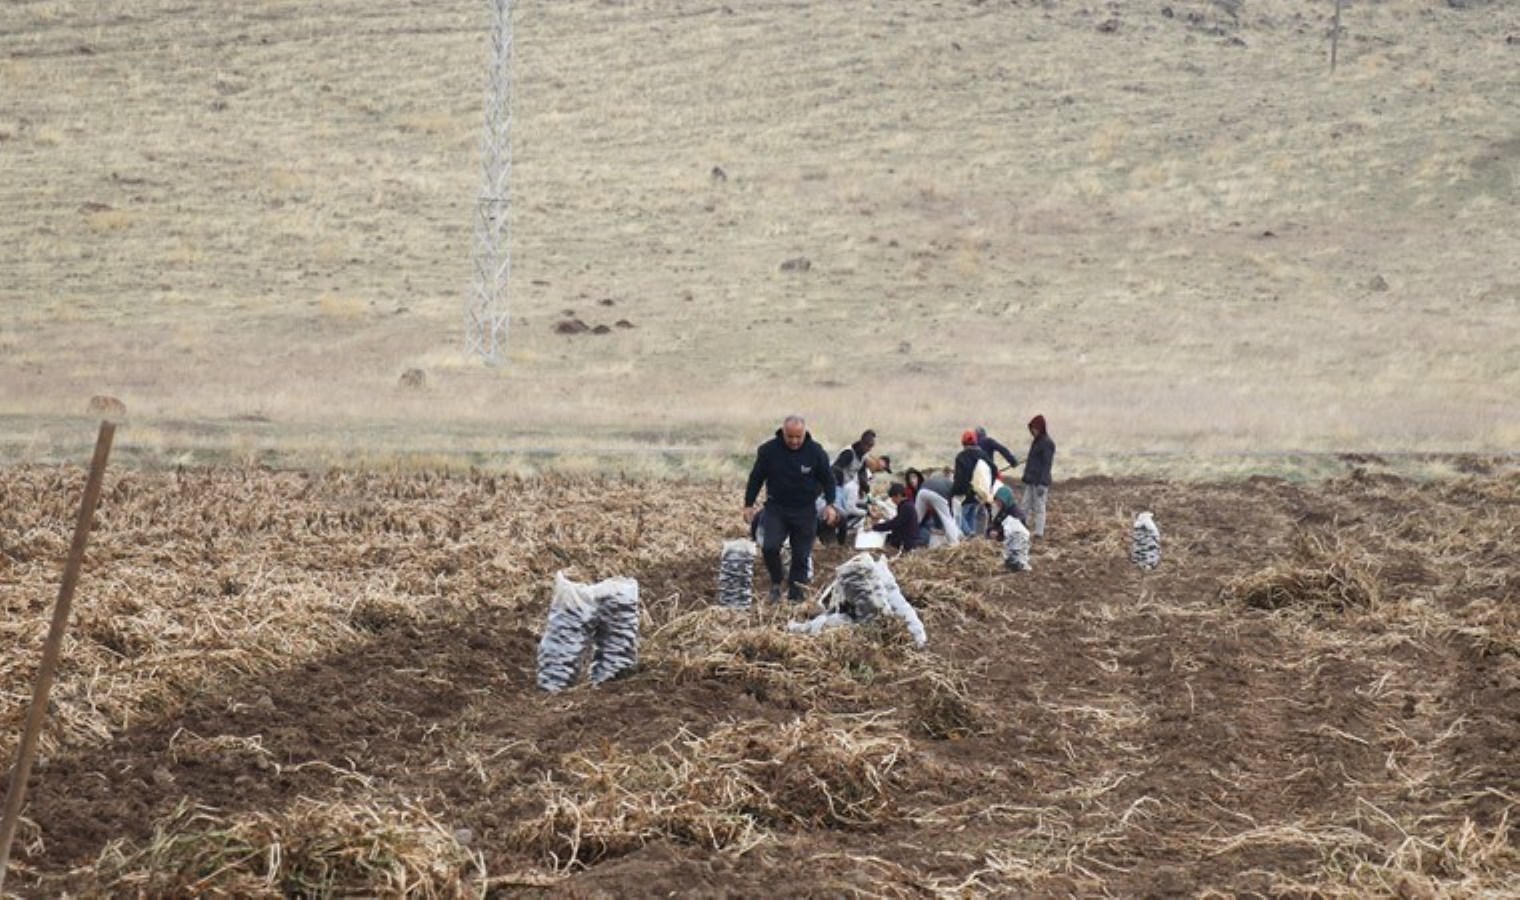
(902,528)
(1004,507)
(852,481)
(913,479)
(794,470)
(933,499)
(1042,455)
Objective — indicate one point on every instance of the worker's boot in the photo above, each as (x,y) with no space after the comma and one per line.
(796,593)
(775,594)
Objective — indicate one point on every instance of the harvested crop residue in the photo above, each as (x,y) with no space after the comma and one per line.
(287,682)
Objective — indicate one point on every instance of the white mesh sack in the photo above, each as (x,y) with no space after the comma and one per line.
(1145,542)
(898,605)
(858,591)
(571,624)
(617,628)
(819,623)
(736,574)
(1015,545)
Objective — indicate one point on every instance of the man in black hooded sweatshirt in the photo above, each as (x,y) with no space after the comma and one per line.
(794,470)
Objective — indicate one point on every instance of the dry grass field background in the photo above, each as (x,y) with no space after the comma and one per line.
(1164,225)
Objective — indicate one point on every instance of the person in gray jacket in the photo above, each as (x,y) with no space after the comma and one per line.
(1042,455)
(934,497)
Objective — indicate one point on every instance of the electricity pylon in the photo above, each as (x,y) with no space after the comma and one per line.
(487,320)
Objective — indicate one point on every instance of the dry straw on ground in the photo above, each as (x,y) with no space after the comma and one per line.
(313,849)
(719,792)
(1323,574)
(199,576)
(248,639)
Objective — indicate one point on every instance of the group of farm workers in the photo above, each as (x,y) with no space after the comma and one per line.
(807,496)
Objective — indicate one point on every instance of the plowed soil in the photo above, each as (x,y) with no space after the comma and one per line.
(370,639)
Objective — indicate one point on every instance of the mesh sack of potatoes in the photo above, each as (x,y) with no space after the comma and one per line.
(617,629)
(1015,545)
(599,622)
(567,634)
(863,588)
(1145,542)
(736,574)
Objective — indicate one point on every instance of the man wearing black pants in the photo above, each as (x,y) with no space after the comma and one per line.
(794,470)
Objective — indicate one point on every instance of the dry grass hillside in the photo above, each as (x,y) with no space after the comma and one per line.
(1163,224)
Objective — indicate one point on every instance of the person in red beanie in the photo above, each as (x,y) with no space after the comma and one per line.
(965,486)
(1042,455)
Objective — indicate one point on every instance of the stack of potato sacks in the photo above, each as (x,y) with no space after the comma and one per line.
(599,621)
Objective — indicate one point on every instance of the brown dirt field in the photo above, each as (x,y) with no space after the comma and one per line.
(248,642)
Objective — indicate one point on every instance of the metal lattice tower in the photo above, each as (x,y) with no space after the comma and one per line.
(487,321)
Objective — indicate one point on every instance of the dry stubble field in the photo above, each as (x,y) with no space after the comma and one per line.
(1166,231)
(312,684)
(1164,225)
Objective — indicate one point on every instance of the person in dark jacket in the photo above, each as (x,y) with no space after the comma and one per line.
(794,471)
(965,465)
(1042,455)
(991,445)
(972,508)
(902,528)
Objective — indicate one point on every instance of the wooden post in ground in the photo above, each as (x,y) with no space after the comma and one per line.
(15,794)
(1335,34)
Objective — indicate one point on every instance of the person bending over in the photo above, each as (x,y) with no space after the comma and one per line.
(902,528)
(991,445)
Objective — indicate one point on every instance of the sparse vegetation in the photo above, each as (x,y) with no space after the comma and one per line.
(312,850)
(323,684)
(1136,231)
(1323,574)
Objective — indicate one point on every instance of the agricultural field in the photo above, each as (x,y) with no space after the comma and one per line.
(323,683)
(1276,305)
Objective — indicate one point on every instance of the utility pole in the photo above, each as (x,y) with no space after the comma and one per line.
(1335,35)
(487,318)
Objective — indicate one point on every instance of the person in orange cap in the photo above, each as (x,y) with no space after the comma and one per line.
(971,484)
